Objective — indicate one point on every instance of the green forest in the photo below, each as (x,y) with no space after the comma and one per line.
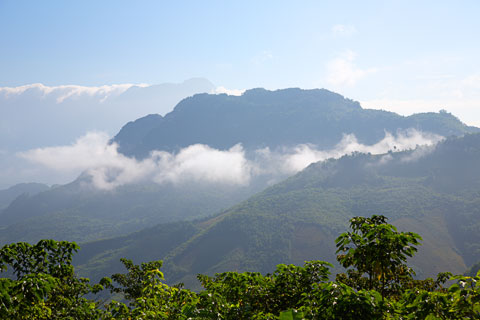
(376,282)
(239,160)
(298,219)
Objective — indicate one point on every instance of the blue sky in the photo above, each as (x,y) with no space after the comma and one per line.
(405,56)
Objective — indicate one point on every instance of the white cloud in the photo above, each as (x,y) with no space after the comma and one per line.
(88,151)
(342,70)
(418,153)
(231,92)
(342,30)
(93,154)
(199,163)
(303,155)
(108,168)
(64,92)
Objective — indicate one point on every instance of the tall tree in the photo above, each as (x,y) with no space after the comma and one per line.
(376,249)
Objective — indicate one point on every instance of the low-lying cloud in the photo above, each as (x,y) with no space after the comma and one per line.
(298,158)
(64,92)
(95,157)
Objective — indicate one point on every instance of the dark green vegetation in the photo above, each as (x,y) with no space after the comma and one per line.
(377,285)
(43,284)
(257,119)
(434,192)
(261,118)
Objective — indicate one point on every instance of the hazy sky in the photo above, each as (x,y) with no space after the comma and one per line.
(406,56)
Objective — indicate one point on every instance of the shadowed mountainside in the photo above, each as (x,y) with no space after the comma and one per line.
(432,191)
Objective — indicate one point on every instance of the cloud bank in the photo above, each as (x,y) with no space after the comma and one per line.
(64,92)
(37,115)
(108,169)
(292,161)
(93,155)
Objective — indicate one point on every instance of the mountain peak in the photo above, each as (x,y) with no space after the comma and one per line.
(262,118)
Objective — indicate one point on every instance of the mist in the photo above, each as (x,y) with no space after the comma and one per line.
(93,156)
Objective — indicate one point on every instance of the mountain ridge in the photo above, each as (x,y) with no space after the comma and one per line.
(10,194)
(299,218)
(260,118)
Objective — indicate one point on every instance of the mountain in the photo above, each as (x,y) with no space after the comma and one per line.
(8,195)
(259,118)
(432,191)
(283,118)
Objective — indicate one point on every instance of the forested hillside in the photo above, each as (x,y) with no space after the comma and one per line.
(432,191)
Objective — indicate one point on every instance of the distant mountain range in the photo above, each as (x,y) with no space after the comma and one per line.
(433,191)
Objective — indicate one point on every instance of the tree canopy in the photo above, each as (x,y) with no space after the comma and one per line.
(40,283)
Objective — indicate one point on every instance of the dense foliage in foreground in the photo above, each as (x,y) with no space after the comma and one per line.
(41,284)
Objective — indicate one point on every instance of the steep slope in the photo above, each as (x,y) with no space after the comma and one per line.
(261,118)
(434,192)
(9,194)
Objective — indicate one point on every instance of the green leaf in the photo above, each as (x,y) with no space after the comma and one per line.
(291,315)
